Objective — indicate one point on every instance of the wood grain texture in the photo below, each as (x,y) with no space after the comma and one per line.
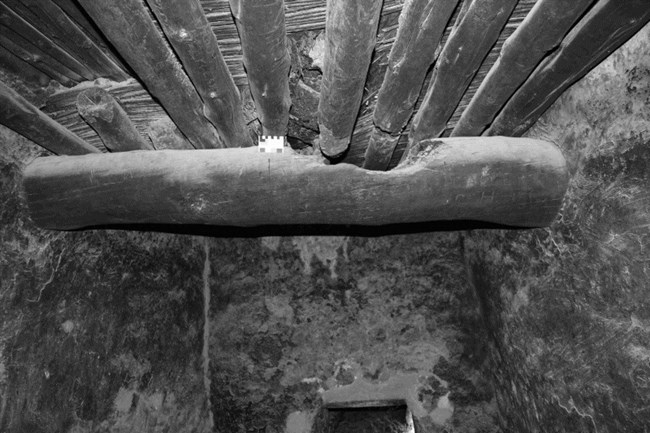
(350,35)
(457,64)
(188,31)
(603,29)
(26,119)
(56,25)
(262,31)
(17,66)
(421,26)
(517,182)
(540,33)
(105,115)
(129,27)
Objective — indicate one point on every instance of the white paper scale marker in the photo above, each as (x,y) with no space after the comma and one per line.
(271,144)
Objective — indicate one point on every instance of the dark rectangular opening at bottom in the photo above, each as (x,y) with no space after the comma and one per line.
(374,419)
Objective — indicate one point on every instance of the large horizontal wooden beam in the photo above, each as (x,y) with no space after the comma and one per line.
(605,27)
(518,182)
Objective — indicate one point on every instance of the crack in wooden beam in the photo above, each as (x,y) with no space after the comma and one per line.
(517,182)
(188,31)
(23,117)
(350,37)
(261,26)
(422,24)
(129,27)
(540,33)
(605,27)
(457,64)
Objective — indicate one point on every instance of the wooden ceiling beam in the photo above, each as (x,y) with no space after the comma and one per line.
(105,115)
(462,55)
(189,32)
(517,182)
(21,68)
(539,34)
(261,25)
(128,25)
(605,27)
(350,36)
(421,26)
(26,119)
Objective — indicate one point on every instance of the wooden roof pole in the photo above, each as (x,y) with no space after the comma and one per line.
(350,36)
(518,182)
(103,113)
(605,27)
(189,32)
(262,32)
(540,33)
(422,24)
(20,67)
(26,119)
(129,27)
(457,64)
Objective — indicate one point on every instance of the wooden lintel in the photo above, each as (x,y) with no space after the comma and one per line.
(11,20)
(422,24)
(540,33)
(189,32)
(518,182)
(128,25)
(350,37)
(605,27)
(105,115)
(55,24)
(461,57)
(26,119)
(262,32)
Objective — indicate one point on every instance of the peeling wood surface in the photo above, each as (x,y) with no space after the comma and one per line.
(132,32)
(350,36)
(262,32)
(603,29)
(459,61)
(23,117)
(540,33)
(195,44)
(508,181)
(103,113)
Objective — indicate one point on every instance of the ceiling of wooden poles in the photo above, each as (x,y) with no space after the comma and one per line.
(382,71)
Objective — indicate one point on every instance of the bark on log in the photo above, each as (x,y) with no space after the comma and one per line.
(540,33)
(190,34)
(129,27)
(11,20)
(603,29)
(103,113)
(261,26)
(350,36)
(518,182)
(459,60)
(23,117)
(421,26)
(56,25)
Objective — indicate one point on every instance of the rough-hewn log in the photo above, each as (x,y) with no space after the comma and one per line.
(350,35)
(56,25)
(190,34)
(105,115)
(518,182)
(603,29)
(422,24)
(266,59)
(23,117)
(24,70)
(457,64)
(129,27)
(20,26)
(31,54)
(540,33)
